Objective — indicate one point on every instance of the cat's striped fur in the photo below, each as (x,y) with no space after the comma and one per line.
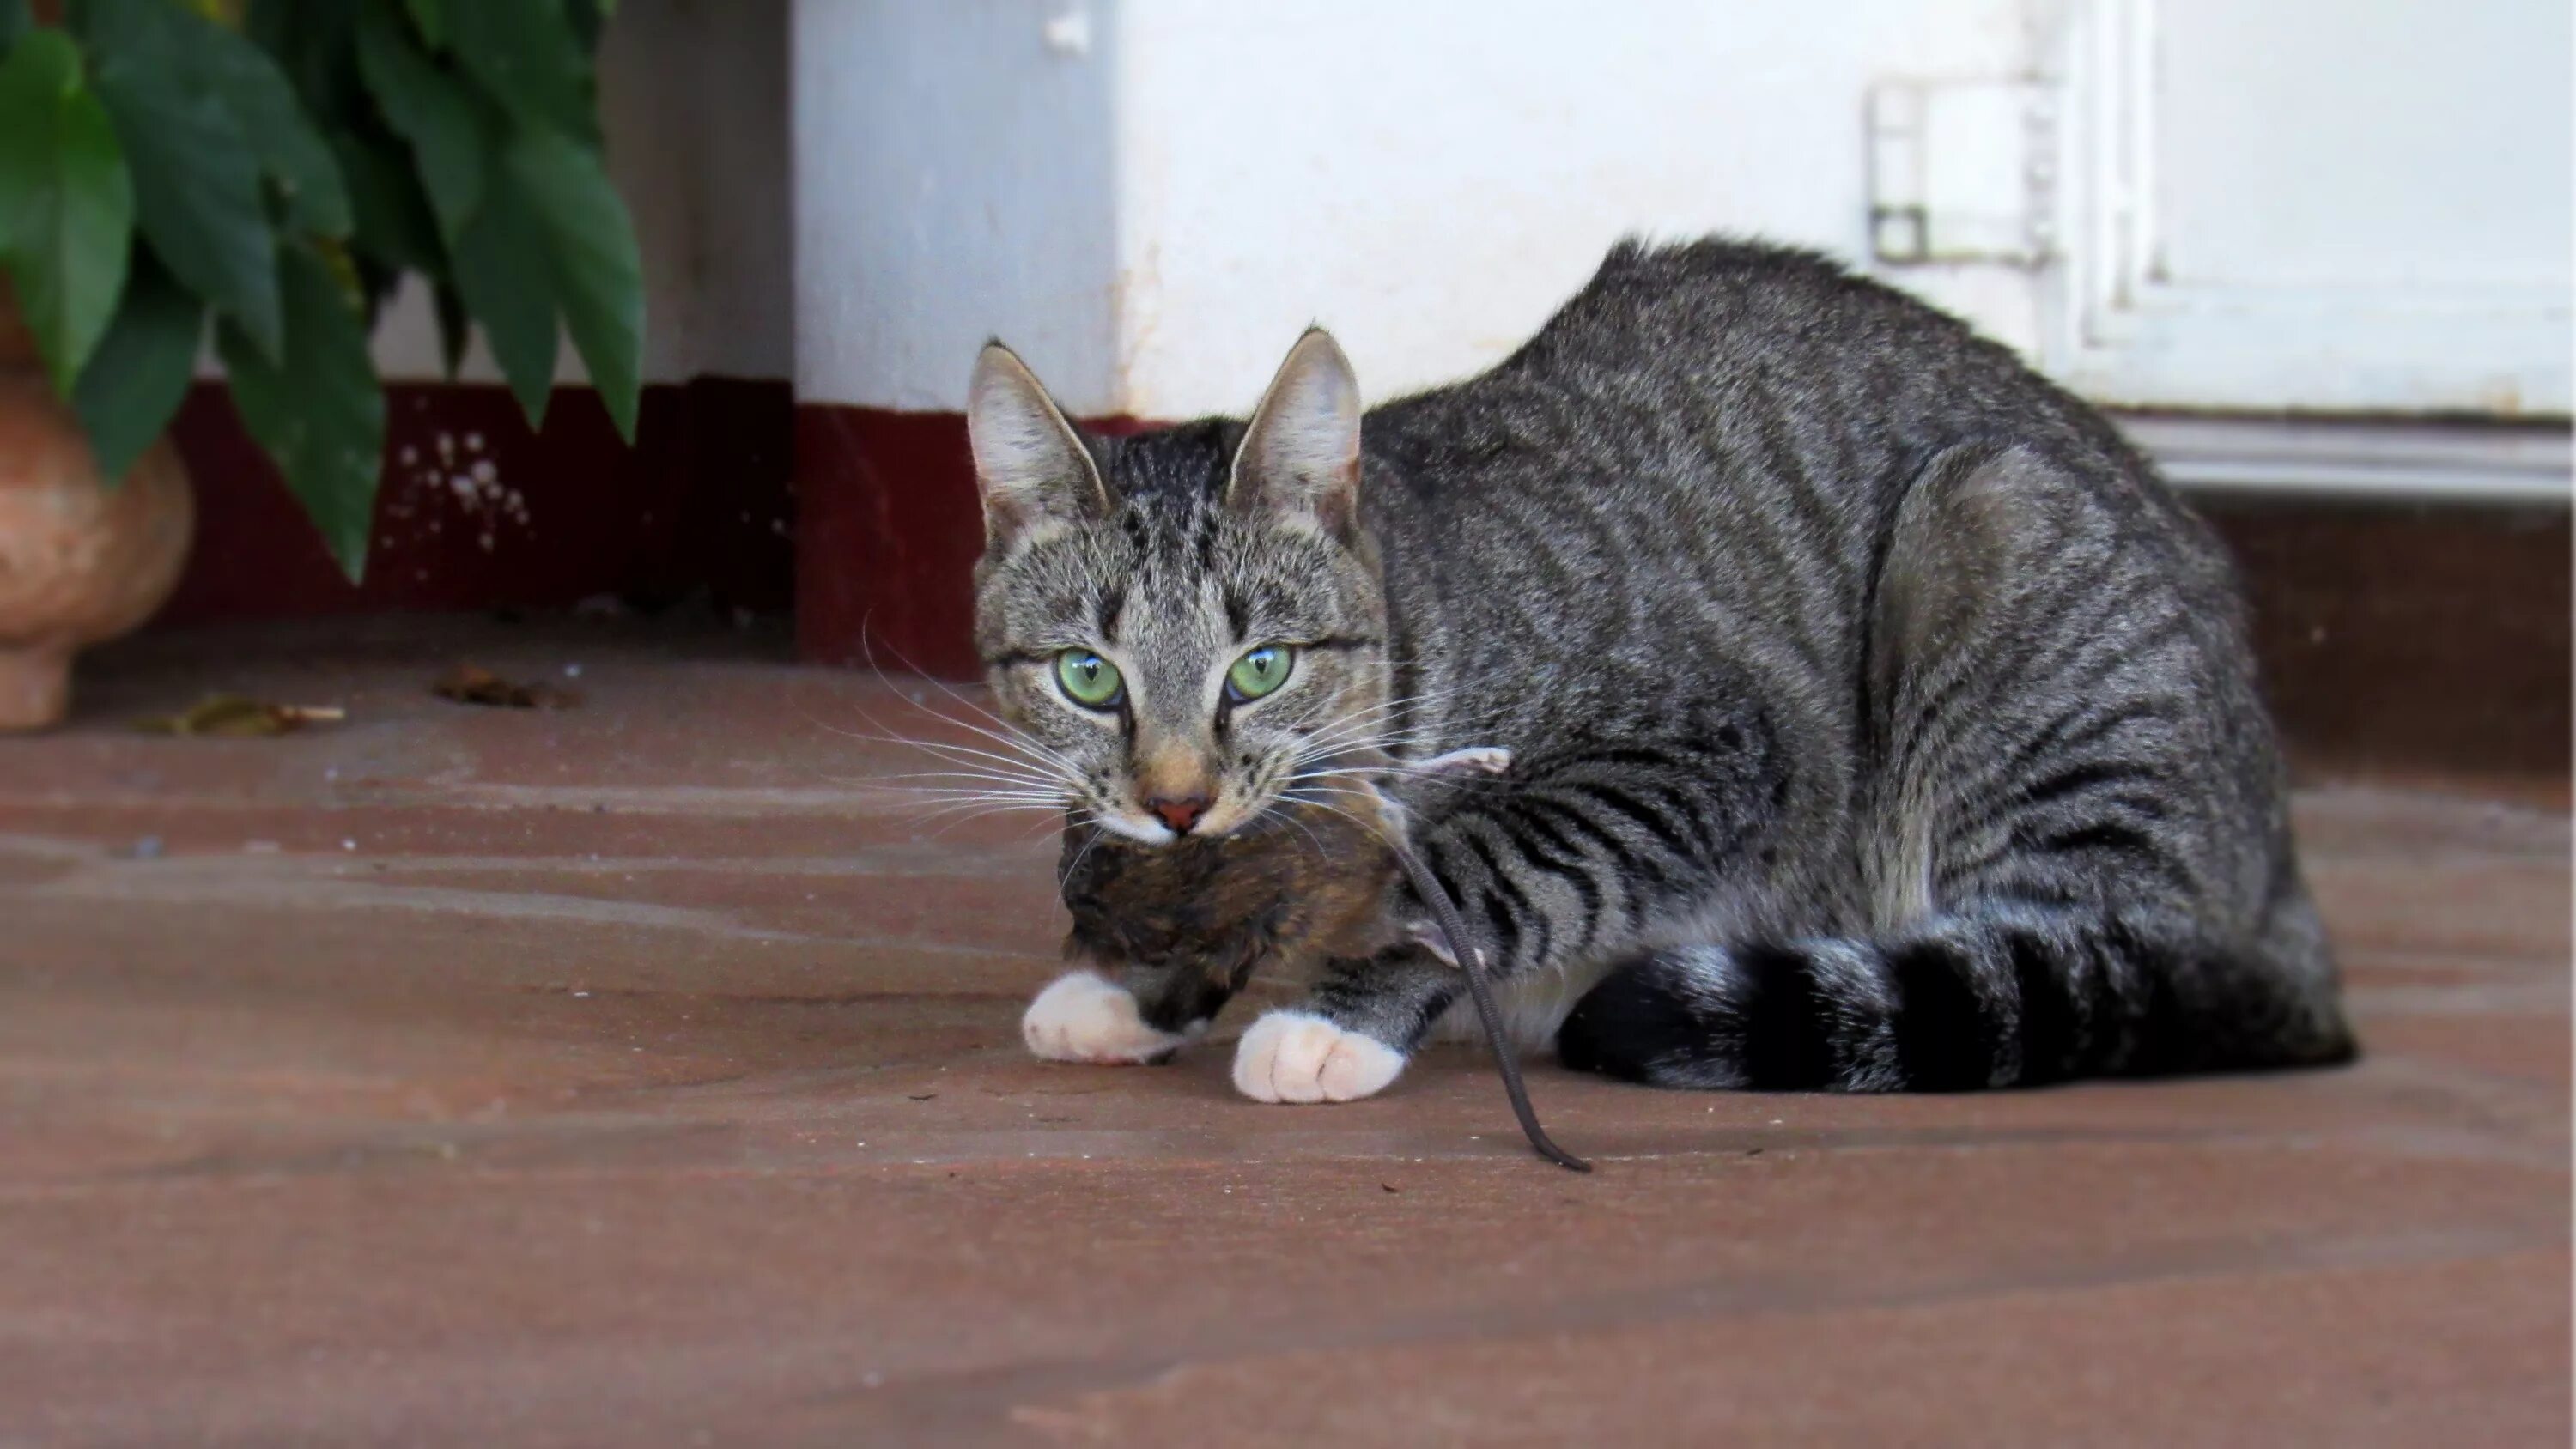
(1878,719)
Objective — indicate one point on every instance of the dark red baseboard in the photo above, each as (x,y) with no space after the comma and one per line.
(2394,637)
(888,530)
(2405,638)
(542,519)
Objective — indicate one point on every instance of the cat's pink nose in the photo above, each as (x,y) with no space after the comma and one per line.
(1180,813)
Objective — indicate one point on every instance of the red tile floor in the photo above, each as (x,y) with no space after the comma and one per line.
(638,1074)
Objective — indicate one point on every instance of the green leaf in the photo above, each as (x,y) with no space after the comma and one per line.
(317,409)
(588,19)
(455,328)
(14,21)
(273,23)
(432,110)
(315,43)
(196,175)
(141,372)
(501,272)
(394,224)
(524,55)
(290,151)
(597,275)
(430,21)
(216,61)
(66,203)
(377,284)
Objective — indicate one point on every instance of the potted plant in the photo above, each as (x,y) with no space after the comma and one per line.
(261,174)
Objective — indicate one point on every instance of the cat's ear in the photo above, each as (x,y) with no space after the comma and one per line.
(1035,475)
(1300,457)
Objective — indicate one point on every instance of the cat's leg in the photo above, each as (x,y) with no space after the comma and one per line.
(1350,1037)
(1552,867)
(2073,849)
(1118,1015)
(1086,1017)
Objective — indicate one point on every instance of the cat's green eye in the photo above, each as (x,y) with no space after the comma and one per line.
(1259,672)
(1087,679)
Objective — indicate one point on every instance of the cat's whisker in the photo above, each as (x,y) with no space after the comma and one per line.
(1316,794)
(897,782)
(1016,742)
(1015,797)
(957,754)
(948,780)
(935,682)
(1368,825)
(972,812)
(1004,733)
(1079,856)
(1358,727)
(924,810)
(1022,749)
(1043,827)
(1309,832)
(1376,709)
(951,779)
(1365,718)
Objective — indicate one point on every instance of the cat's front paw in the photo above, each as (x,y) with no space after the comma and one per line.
(1085,1017)
(1296,1056)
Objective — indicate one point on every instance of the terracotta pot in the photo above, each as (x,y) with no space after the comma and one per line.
(78,563)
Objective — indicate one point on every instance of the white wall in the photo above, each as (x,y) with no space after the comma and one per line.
(1149,198)
(2356,205)
(1430,179)
(953,181)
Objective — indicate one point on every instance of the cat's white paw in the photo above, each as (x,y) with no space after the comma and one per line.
(1084,1017)
(1296,1056)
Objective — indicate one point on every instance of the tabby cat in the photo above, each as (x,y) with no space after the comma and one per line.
(1876,719)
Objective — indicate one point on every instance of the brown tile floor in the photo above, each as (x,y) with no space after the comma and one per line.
(632,1075)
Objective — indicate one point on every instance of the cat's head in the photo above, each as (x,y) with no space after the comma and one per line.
(1189,622)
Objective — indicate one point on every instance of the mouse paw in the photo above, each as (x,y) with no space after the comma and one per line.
(1296,1056)
(1426,936)
(1083,1017)
(1483,760)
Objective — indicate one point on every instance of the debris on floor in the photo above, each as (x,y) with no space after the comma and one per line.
(239,716)
(474,684)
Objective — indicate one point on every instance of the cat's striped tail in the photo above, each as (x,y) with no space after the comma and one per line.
(2009,996)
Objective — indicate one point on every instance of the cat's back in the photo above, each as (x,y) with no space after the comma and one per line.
(1738,307)
(1743,396)
(1753,357)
